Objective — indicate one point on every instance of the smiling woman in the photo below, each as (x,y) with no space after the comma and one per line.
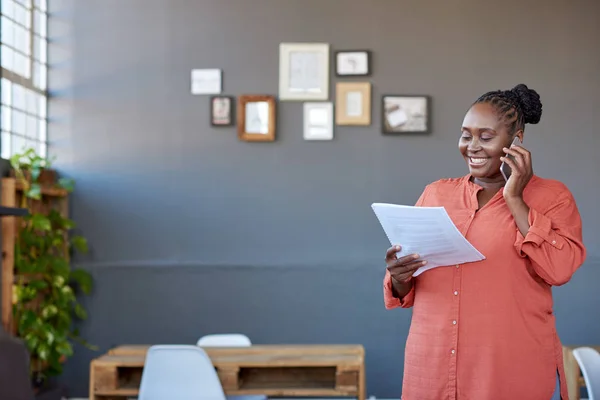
(495,314)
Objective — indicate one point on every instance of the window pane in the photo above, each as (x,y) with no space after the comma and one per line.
(18,97)
(22,65)
(42,107)
(18,122)
(6,114)
(39,49)
(41,4)
(22,16)
(43,149)
(18,144)
(25,3)
(8,36)
(8,8)
(39,23)
(42,126)
(7,57)
(5,144)
(6,89)
(22,40)
(39,75)
(32,129)
(32,102)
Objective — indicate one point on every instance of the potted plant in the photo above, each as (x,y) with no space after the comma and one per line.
(45,290)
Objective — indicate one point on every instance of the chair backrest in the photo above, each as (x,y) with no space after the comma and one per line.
(179,372)
(589,363)
(15,381)
(224,340)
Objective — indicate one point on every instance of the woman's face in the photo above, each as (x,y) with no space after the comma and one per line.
(483,137)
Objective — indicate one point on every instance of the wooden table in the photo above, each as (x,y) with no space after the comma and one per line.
(272,370)
(573,375)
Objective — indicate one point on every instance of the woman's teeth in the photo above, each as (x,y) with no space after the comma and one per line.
(478,160)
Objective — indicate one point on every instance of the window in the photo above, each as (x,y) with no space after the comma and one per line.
(23,56)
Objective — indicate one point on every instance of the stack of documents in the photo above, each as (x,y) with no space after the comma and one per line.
(427,231)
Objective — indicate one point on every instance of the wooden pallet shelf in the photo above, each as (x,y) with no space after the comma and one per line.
(11,195)
(272,370)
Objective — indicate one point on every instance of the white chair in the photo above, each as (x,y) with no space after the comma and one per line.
(224,340)
(589,363)
(179,372)
(229,340)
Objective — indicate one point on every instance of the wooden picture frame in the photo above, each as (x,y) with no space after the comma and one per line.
(256,115)
(304,71)
(353,103)
(222,110)
(405,113)
(353,63)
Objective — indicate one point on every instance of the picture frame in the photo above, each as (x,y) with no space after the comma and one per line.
(318,121)
(405,113)
(256,116)
(222,110)
(304,71)
(206,81)
(353,63)
(353,103)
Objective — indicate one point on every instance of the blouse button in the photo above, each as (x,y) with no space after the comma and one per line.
(456,293)
(554,242)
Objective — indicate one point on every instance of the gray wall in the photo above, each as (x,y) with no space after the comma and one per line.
(195,232)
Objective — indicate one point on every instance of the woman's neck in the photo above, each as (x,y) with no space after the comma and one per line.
(490,184)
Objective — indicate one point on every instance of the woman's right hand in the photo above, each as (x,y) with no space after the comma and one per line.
(402,269)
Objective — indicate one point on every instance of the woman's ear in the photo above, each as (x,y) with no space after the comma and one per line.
(520,135)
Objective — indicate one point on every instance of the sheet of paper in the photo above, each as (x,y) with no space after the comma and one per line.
(428,231)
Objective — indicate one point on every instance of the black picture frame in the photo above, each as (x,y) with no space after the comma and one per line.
(369,63)
(227,122)
(411,121)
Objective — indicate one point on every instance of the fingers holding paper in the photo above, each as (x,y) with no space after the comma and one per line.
(402,269)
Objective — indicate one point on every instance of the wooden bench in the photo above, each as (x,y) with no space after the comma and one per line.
(272,370)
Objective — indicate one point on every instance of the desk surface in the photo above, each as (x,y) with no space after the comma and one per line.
(253,356)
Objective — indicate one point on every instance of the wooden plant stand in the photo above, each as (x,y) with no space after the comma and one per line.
(272,370)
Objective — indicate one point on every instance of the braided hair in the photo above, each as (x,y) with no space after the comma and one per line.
(517,106)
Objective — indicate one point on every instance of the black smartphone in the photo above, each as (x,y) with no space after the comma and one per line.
(505,169)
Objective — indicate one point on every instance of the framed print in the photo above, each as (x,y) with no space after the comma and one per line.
(353,103)
(405,114)
(256,118)
(303,71)
(206,81)
(221,110)
(318,121)
(353,63)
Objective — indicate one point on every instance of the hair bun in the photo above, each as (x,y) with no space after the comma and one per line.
(530,103)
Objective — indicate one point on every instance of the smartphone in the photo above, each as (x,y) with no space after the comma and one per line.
(505,169)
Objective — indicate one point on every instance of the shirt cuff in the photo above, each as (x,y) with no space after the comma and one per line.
(540,231)
(393,302)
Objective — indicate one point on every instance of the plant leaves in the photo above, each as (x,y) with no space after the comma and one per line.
(41,222)
(79,243)
(67,184)
(80,311)
(83,279)
(35,191)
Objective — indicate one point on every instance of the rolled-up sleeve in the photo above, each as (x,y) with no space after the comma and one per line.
(392,301)
(554,242)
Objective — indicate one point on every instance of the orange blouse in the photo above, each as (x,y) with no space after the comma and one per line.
(486,330)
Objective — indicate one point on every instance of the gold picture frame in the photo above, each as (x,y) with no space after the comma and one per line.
(354,103)
(256,118)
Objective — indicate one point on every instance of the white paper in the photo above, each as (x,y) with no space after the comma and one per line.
(353,104)
(206,81)
(304,71)
(427,231)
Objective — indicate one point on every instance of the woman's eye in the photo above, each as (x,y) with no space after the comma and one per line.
(465,137)
(485,138)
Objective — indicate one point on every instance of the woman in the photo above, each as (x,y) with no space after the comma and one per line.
(486,330)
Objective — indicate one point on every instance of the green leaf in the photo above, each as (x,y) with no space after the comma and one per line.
(83,279)
(67,184)
(79,243)
(80,311)
(35,191)
(60,266)
(41,222)
(28,321)
(37,284)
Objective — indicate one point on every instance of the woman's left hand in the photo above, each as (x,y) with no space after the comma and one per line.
(521,172)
